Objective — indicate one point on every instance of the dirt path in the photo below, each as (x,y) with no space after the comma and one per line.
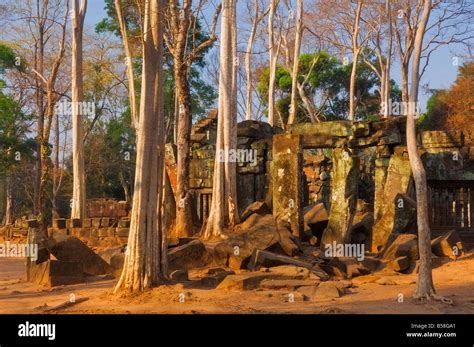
(454,280)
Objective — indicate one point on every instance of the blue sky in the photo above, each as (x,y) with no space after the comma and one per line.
(440,74)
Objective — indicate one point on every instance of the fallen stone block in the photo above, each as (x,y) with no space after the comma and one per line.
(398,217)
(447,245)
(351,267)
(257,207)
(188,256)
(247,281)
(70,248)
(179,275)
(109,253)
(265,234)
(365,279)
(268,259)
(399,264)
(321,292)
(386,281)
(53,273)
(403,245)
(214,279)
(291,271)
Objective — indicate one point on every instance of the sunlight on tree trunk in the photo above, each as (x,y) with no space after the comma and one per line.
(77,92)
(224,192)
(144,256)
(424,287)
(296,60)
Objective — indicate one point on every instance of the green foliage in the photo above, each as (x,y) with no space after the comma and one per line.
(203,94)
(328,80)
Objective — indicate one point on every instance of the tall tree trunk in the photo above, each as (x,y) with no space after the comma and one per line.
(56,167)
(77,92)
(129,61)
(223,205)
(424,287)
(388,63)
(184,220)
(230,128)
(9,217)
(248,58)
(39,66)
(45,151)
(296,62)
(142,266)
(273,62)
(355,59)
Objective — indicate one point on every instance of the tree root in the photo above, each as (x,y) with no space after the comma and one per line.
(433,296)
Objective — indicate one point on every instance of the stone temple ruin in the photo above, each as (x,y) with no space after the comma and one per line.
(350,169)
(315,184)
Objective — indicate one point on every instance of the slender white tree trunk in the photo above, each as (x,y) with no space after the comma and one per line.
(224,194)
(388,63)
(273,62)
(296,61)
(248,57)
(129,62)
(77,93)
(425,287)
(355,60)
(144,256)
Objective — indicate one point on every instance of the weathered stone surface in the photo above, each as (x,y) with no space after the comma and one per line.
(361,129)
(396,219)
(291,271)
(447,164)
(444,139)
(344,184)
(254,129)
(214,279)
(399,264)
(53,273)
(287,181)
(258,207)
(179,275)
(316,216)
(365,279)
(386,281)
(325,290)
(403,245)
(334,128)
(380,177)
(109,253)
(362,227)
(268,259)
(116,262)
(263,233)
(59,223)
(188,256)
(247,281)
(394,181)
(349,266)
(70,248)
(447,245)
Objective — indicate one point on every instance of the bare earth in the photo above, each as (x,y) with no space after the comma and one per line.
(454,280)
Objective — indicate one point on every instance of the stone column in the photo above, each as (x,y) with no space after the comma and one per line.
(397,182)
(344,182)
(381,169)
(287,180)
